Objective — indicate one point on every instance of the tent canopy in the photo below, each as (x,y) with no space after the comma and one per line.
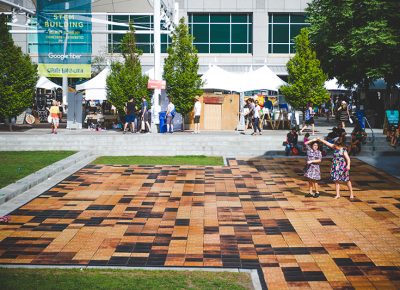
(217,78)
(45,83)
(332,85)
(261,79)
(98,82)
(96,88)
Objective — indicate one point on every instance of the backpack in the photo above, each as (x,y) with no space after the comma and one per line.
(173,112)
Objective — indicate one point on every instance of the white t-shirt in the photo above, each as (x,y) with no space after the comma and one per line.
(170,108)
(256,111)
(197,108)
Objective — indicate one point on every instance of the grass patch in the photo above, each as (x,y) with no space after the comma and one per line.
(120,279)
(162,160)
(18,164)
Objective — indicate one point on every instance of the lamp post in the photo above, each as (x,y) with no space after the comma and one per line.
(157,65)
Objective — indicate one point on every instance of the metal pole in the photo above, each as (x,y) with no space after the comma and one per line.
(241,125)
(157,65)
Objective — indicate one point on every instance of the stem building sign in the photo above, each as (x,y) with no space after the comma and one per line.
(65,38)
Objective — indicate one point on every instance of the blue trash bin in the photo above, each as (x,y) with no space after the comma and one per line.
(163,122)
(360,117)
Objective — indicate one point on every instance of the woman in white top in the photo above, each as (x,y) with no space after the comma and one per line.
(256,119)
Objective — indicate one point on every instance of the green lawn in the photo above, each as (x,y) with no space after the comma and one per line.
(161,160)
(18,164)
(69,279)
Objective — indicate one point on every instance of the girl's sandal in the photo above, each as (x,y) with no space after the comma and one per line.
(4,219)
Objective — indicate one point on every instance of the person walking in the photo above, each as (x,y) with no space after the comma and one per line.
(197,113)
(145,116)
(170,116)
(256,118)
(309,118)
(312,170)
(344,114)
(340,170)
(130,115)
(54,114)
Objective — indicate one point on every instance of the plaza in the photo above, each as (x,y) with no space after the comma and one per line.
(250,214)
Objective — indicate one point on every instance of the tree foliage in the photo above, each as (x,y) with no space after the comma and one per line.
(126,79)
(357,41)
(306,79)
(18,75)
(181,70)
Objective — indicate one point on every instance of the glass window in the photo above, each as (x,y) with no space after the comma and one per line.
(282,29)
(144,42)
(239,33)
(239,48)
(281,33)
(202,48)
(200,18)
(219,48)
(200,32)
(221,32)
(281,18)
(239,18)
(220,18)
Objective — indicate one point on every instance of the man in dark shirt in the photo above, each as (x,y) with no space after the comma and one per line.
(145,115)
(130,115)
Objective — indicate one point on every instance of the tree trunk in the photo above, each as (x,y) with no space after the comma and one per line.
(183,122)
(8,122)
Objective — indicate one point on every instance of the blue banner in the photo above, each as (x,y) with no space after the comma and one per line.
(64,37)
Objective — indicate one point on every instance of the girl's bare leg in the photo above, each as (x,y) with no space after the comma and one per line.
(310,187)
(350,186)
(337,188)
(316,187)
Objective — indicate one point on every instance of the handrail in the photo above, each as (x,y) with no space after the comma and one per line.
(372,131)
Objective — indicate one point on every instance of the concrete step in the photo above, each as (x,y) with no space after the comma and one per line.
(26,183)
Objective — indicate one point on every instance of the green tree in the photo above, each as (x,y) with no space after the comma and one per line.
(18,76)
(181,70)
(306,79)
(126,79)
(357,41)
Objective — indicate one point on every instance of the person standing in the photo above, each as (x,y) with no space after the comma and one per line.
(309,118)
(54,112)
(130,115)
(256,118)
(170,116)
(197,113)
(145,115)
(344,114)
(312,171)
(340,170)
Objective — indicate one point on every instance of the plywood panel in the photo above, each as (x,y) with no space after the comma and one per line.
(212,116)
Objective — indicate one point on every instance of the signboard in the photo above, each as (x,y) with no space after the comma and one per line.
(64,38)
(153,84)
(213,99)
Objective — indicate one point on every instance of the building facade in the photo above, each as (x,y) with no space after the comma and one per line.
(237,35)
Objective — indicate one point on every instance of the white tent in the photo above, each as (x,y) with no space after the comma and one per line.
(332,85)
(217,78)
(261,79)
(45,83)
(96,88)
